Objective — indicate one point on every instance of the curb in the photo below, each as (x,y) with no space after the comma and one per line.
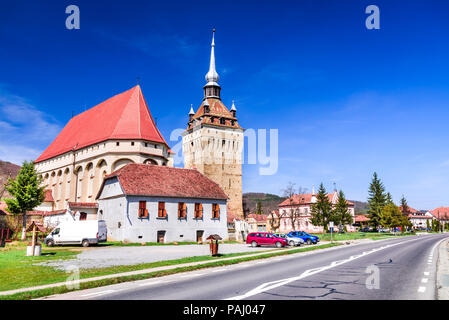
(443,271)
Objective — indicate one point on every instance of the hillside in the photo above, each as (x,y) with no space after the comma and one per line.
(7,170)
(270,202)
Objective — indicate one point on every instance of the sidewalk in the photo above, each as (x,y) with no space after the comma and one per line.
(443,271)
(171,267)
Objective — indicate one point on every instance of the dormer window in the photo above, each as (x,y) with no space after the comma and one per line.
(222,121)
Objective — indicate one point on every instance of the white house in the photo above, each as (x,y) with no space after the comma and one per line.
(148,203)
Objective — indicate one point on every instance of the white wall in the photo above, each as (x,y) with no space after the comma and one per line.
(121,214)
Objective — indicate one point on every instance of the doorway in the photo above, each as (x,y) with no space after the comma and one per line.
(161,237)
(199,235)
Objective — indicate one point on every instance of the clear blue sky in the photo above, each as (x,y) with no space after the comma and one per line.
(347,101)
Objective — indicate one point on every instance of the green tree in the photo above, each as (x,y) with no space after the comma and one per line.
(340,213)
(404,206)
(321,210)
(377,199)
(427,225)
(391,216)
(259,207)
(389,199)
(25,191)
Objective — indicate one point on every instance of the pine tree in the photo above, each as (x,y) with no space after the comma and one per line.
(391,216)
(389,199)
(404,206)
(259,208)
(377,199)
(25,191)
(340,213)
(321,211)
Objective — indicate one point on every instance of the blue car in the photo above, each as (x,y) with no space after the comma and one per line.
(308,238)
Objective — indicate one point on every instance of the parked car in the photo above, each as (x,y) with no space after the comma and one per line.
(308,238)
(292,241)
(256,239)
(84,232)
(366,229)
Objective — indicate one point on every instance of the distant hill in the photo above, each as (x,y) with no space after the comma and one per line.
(360,207)
(270,202)
(7,170)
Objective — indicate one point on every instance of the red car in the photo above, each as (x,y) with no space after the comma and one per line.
(265,239)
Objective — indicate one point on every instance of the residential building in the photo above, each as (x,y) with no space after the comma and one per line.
(149,203)
(257,222)
(295,213)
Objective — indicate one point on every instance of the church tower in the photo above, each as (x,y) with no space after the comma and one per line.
(213,141)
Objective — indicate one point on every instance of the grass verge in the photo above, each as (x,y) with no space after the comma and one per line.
(360,235)
(99,283)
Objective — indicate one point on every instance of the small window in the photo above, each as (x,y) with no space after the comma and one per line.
(182,210)
(143,212)
(198,210)
(215,211)
(222,121)
(146,144)
(161,212)
(117,144)
(132,143)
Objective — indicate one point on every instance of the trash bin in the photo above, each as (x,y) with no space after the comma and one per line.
(214,244)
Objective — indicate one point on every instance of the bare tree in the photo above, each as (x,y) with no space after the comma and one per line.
(293,213)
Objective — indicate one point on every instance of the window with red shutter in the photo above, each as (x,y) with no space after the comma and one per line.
(181,210)
(143,212)
(198,210)
(215,211)
(162,213)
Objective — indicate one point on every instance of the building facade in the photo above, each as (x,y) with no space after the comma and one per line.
(148,203)
(299,207)
(213,141)
(95,143)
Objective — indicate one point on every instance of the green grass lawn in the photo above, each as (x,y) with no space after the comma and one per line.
(218,262)
(359,235)
(19,271)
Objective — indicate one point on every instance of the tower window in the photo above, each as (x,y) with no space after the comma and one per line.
(222,121)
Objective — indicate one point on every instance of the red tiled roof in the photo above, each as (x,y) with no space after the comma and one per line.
(441,213)
(305,199)
(45,213)
(410,209)
(152,180)
(124,116)
(361,218)
(217,110)
(83,205)
(258,217)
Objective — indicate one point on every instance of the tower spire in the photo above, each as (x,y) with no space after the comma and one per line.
(212,89)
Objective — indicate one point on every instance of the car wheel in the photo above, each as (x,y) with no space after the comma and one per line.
(254,244)
(309,242)
(278,244)
(85,243)
(50,243)
(291,243)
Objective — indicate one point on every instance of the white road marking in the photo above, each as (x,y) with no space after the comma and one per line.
(192,275)
(424,280)
(150,283)
(422,289)
(94,294)
(219,270)
(278,283)
(426,273)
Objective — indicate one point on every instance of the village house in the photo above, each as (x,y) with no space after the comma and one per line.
(299,207)
(148,203)
(257,222)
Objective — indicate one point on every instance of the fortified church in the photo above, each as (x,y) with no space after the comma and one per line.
(121,131)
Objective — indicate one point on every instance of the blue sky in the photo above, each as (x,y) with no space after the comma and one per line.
(347,101)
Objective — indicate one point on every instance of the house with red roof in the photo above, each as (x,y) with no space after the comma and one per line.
(149,203)
(298,206)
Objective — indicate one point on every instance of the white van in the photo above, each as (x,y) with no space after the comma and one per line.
(84,232)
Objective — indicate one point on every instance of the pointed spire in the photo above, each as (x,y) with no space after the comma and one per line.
(206,103)
(191,110)
(212,75)
(233,108)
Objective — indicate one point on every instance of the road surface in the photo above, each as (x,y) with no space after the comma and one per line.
(401,268)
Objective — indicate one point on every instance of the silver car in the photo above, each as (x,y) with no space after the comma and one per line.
(292,241)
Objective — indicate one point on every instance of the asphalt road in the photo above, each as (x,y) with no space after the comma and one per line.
(403,268)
